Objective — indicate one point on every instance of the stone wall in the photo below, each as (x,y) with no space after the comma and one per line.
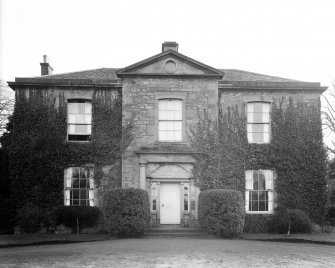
(235,97)
(140,102)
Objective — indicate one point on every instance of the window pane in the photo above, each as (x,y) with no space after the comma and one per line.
(88,108)
(162,135)
(177,135)
(72,118)
(75,183)
(75,172)
(258,137)
(262,206)
(75,194)
(262,196)
(258,128)
(81,108)
(177,115)
(72,129)
(257,118)
(266,108)
(170,105)
(254,205)
(81,129)
(261,180)
(72,108)
(250,108)
(83,183)
(178,126)
(255,175)
(80,119)
(178,105)
(83,173)
(169,125)
(88,119)
(83,194)
(162,126)
(170,135)
(83,202)
(162,115)
(162,105)
(170,115)
(258,107)
(254,196)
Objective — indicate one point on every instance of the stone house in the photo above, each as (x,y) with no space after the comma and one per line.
(164,95)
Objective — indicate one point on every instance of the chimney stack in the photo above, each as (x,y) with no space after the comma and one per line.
(46,69)
(170,46)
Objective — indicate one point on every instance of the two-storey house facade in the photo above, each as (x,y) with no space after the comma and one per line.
(164,96)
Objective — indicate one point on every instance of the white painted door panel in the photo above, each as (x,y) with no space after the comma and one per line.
(170,203)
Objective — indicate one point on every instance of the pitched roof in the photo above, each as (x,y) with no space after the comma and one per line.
(94,74)
(239,75)
(110,74)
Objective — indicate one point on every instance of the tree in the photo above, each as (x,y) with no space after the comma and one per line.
(6,105)
(328,119)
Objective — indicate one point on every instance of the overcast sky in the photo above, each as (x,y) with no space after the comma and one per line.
(288,38)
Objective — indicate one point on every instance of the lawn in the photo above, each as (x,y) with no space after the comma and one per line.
(170,252)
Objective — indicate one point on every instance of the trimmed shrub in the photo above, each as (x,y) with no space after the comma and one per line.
(330,216)
(7,216)
(221,212)
(256,223)
(31,219)
(126,211)
(87,216)
(299,220)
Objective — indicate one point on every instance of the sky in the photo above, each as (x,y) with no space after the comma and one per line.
(288,38)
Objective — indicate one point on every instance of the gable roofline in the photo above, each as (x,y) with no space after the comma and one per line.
(127,71)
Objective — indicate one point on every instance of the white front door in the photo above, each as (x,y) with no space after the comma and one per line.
(169,203)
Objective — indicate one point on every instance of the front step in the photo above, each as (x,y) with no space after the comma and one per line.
(176,231)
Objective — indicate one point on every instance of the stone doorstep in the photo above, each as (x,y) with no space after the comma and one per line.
(176,231)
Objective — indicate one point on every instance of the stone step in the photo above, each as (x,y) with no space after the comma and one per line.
(170,234)
(176,231)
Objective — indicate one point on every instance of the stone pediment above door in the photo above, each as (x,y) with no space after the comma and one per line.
(170,63)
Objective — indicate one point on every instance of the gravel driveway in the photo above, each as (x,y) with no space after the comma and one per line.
(170,252)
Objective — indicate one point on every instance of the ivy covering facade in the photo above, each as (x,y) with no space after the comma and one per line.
(295,153)
(39,152)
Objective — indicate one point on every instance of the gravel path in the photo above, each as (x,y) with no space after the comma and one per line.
(170,252)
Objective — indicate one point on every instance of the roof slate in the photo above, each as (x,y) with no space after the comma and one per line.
(110,74)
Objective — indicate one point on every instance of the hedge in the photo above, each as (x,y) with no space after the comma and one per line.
(221,212)
(78,217)
(126,211)
(294,219)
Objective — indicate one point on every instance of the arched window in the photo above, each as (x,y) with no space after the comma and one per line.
(170,120)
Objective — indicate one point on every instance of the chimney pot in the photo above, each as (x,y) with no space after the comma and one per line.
(170,46)
(46,69)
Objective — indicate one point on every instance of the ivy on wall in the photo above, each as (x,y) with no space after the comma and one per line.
(39,153)
(296,153)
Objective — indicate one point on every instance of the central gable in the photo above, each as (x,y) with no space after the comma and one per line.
(170,63)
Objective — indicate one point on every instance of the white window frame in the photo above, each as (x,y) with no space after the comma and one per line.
(85,119)
(269,188)
(170,120)
(68,187)
(154,197)
(264,123)
(186,196)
